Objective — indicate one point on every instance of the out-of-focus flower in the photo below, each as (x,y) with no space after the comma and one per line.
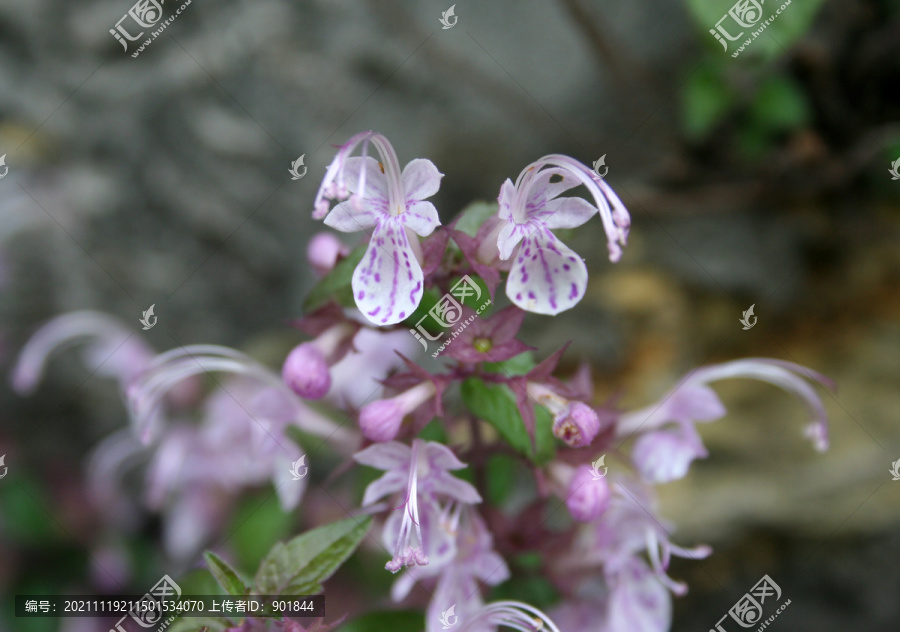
(546,276)
(587,497)
(306,368)
(663,455)
(422,472)
(388,282)
(111,349)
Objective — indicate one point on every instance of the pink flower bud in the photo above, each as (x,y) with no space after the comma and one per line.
(306,371)
(577,424)
(588,496)
(323,251)
(665,455)
(380,420)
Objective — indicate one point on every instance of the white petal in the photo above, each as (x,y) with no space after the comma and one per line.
(509,237)
(387,283)
(546,277)
(421,217)
(347,219)
(389,455)
(421,179)
(446,483)
(375,187)
(569,212)
(390,483)
(505,200)
(441,456)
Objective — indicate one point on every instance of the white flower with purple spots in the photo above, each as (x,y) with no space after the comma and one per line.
(388,282)
(546,276)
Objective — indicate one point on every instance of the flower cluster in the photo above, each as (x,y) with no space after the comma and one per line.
(432,432)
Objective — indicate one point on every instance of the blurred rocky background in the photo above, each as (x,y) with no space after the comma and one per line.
(762,179)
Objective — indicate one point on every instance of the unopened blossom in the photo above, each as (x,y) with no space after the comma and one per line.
(323,252)
(546,276)
(388,282)
(671,441)
(380,420)
(307,367)
(588,497)
(422,473)
(574,422)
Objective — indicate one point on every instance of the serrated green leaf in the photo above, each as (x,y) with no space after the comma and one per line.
(496,404)
(226,576)
(300,566)
(474,215)
(336,283)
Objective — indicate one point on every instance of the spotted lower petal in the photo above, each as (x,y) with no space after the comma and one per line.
(546,277)
(387,283)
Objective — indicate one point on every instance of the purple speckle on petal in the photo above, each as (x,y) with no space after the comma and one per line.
(402,314)
(361,295)
(531,295)
(566,267)
(574,292)
(518,296)
(377,278)
(374,311)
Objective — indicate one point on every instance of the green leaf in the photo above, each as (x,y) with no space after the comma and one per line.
(517,365)
(226,576)
(300,566)
(474,215)
(780,105)
(257,526)
(705,100)
(336,283)
(496,404)
(395,621)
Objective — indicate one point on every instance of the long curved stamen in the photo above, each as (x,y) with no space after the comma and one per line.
(404,554)
(613,214)
(333,186)
(62,332)
(145,394)
(511,615)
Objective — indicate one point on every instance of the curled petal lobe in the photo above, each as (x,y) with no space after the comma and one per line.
(421,179)
(387,283)
(546,277)
(385,456)
(391,483)
(455,488)
(441,456)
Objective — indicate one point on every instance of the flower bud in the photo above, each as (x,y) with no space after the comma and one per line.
(662,456)
(380,420)
(306,371)
(577,424)
(323,251)
(588,496)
